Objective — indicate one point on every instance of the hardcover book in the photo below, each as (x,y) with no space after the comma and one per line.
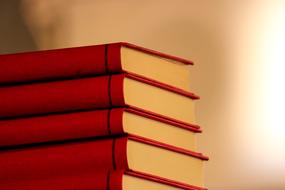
(94,60)
(102,180)
(96,123)
(97,93)
(120,153)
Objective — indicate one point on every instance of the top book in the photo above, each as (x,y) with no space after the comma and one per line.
(94,60)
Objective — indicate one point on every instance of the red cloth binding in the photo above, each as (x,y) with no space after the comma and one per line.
(67,63)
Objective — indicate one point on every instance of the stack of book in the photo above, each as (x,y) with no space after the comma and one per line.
(105,117)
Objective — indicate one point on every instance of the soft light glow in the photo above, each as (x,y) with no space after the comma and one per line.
(274,79)
(260,68)
(268,142)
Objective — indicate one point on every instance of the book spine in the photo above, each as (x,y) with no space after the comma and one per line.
(103,180)
(61,96)
(61,127)
(38,162)
(60,63)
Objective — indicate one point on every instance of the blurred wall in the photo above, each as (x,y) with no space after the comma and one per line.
(237,47)
(14,34)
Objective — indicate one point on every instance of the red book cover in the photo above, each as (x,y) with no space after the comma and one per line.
(39,162)
(103,180)
(67,63)
(76,125)
(71,95)
(92,180)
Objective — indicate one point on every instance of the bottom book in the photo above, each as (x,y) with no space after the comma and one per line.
(114,180)
(118,153)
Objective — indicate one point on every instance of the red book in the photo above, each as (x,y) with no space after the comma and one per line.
(120,153)
(94,60)
(103,180)
(97,93)
(95,123)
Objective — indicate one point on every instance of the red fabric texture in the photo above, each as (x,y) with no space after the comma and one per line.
(116,121)
(114,58)
(60,127)
(116,180)
(92,180)
(60,96)
(41,162)
(53,64)
(117,90)
(121,160)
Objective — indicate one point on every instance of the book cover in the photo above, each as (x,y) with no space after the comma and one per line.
(94,60)
(102,180)
(96,123)
(120,153)
(98,93)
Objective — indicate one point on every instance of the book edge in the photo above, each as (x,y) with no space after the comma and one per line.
(167,146)
(162,180)
(154,116)
(161,85)
(157,53)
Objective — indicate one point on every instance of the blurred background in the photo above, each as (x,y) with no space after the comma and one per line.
(238,48)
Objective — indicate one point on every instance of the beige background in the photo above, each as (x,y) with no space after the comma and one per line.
(238,50)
